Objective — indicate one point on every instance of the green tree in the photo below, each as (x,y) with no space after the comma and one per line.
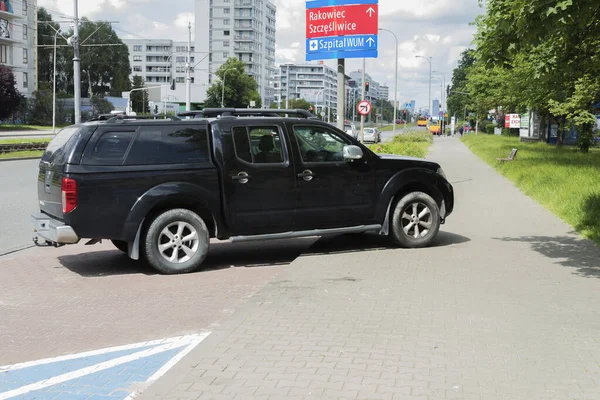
(458,101)
(139,98)
(104,61)
(240,88)
(545,50)
(100,105)
(45,37)
(10,98)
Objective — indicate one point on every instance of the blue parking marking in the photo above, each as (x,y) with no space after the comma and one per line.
(114,373)
(10,380)
(113,383)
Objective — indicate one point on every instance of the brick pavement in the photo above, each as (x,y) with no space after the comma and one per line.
(77,298)
(503,307)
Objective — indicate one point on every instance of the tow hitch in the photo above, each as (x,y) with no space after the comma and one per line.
(47,243)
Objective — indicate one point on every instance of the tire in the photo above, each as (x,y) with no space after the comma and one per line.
(121,245)
(163,247)
(404,229)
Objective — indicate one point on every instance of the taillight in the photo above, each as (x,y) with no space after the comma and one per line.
(69,195)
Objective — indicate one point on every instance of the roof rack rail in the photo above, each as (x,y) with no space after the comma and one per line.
(254,112)
(192,113)
(121,118)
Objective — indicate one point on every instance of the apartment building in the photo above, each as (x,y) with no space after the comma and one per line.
(162,62)
(376,90)
(18,20)
(313,82)
(244,29)
(384,92)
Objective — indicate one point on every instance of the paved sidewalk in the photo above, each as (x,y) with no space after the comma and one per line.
(504,307)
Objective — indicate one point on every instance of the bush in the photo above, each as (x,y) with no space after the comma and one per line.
(413,144)
(489,129)
(414,136)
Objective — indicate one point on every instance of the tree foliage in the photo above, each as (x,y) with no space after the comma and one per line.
(457,101)
(240,88)
(537,54)
(139,98)
(100,105)
(10,98)
(46,32)
(104,61)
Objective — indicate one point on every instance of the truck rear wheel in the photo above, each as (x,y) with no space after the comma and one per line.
(415,221)
(176,242)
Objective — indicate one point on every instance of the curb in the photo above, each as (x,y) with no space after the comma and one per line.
(20,159)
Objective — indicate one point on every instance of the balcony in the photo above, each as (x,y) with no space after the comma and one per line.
(4,40)
(243,38)
(10,16)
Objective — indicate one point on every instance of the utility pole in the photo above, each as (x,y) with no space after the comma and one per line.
(188,77)
(287,94)
(54,86)
(341,92)
(76,66)
(361,134)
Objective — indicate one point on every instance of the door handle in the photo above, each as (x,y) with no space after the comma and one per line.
(307,175)
(242,177)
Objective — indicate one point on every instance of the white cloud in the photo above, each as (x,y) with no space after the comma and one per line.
(436,28)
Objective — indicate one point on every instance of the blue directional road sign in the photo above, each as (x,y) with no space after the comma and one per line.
(356,46)
(341,29)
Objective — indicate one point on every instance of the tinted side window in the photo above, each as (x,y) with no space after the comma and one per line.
(110,149)
(169,145)
(258,145)
(318,144)
(57,145)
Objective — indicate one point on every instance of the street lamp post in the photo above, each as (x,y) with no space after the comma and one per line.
(429,101)
(223,88)
(54,87)
(444,97)
(441,89)
(396,80)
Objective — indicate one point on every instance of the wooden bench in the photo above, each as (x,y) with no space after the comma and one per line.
(511,156)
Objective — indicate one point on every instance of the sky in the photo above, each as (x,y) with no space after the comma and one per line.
(437,28)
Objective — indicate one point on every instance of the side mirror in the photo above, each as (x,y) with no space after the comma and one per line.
(352,153)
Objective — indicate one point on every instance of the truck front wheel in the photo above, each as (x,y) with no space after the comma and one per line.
(176,242)
(415,220)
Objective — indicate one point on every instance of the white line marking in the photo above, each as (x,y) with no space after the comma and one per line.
(90,353)
(167,344)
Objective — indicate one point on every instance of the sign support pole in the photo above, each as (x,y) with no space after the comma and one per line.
(361,134)
(341,91)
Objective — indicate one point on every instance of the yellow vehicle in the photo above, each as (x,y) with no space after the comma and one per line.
(435,128)
(422,121)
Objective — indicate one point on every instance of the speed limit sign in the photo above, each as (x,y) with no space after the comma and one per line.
(364,107)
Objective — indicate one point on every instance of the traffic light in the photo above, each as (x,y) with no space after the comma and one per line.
(404,113)
(172,84)
(366,86)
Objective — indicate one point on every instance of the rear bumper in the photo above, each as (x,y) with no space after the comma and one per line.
(53,230)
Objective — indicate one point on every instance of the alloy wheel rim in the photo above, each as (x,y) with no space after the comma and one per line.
(178,242)
(416,220)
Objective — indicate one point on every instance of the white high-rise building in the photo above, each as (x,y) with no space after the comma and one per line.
(244,29)
(18,20)
(161,62)
(313,82)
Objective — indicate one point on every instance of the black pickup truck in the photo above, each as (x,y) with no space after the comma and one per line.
(160,189)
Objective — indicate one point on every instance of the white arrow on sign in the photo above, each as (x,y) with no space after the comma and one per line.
(371,41)
(370,11)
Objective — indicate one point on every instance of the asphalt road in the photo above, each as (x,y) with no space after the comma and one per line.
(18,199)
